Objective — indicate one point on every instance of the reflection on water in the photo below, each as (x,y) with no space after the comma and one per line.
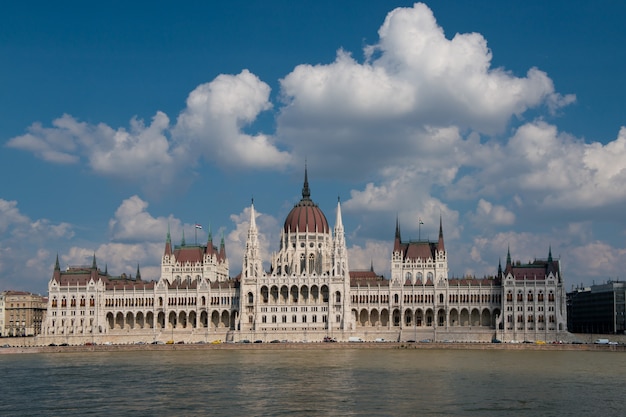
(347,382)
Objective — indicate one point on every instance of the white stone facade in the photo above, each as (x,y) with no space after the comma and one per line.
(309,293)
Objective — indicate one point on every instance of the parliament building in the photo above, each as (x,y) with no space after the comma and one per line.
(308,294)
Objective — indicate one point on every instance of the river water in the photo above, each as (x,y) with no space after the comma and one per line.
(309,382)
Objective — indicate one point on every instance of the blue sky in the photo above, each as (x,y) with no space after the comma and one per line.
(121,120)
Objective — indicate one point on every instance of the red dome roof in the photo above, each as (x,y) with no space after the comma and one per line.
(306,215)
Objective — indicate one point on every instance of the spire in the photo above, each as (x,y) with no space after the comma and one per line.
(222,252)
(253,214)
(182,242)
(440,245)
(210,233)
(499,267)
(340,252)
(397,244)
(106,269)
(168,242)
(397,228)
(372,265)
(56,275)
(252,266)
(339,221)
(306,192)
(93,263)
(550,254)
(138,274)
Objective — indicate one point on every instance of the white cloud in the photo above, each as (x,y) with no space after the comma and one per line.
(374,252)
(26,248)
(133,223)
(214,117)
(414,76)
(490,214)
(158,155)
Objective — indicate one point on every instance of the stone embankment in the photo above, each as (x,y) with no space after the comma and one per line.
(316,345)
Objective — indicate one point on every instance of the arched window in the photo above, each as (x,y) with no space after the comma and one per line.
(441,298)
(407,276)
(337,297)
(311,263)
(250,298)
(396,298)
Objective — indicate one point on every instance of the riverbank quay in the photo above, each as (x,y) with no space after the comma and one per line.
(315,346)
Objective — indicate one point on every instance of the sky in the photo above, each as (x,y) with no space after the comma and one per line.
(120,121)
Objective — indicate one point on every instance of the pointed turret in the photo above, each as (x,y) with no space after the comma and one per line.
(252,265)
(550,254)
(168,242)
(339,220)
(339,242)
(499,267)
(182,242)
(397,244)
(440,245)
(57,270)
(306,192)
(94,269)
(508,257)
(138,274)
(222,253)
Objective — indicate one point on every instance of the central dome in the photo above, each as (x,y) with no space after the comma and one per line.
(306,216)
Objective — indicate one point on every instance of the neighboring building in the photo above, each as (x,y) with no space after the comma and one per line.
(308,293)
(597,309)
(22,313)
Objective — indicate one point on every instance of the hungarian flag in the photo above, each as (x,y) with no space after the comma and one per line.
(198,226)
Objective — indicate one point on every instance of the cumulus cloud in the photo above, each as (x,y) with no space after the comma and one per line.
(215,115)
(547,169)
(490,214)
(26,257)
(132,222)
(414,79)
(374,253)
(158,155)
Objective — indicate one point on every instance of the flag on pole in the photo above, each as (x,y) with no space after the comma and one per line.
(198,226)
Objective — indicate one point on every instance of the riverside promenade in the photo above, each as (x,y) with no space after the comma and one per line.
(315,345)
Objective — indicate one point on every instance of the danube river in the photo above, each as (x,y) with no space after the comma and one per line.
(314,382)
